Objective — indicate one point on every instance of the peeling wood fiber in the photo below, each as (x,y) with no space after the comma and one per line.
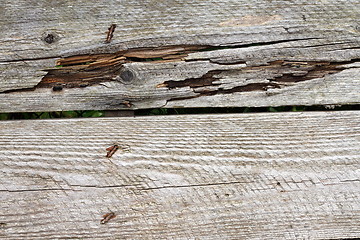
(69,61)
(93,69)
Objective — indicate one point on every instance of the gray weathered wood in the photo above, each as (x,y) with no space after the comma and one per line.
(214,53)
(250,176)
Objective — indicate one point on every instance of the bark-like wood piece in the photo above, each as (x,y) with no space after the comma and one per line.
(249,176)
(215,54)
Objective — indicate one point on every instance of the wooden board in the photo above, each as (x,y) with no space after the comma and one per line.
(177,54)
(249,176)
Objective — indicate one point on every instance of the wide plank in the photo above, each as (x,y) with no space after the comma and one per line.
(238,176)
(81,55)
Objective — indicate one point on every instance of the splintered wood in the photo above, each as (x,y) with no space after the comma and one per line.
(74,71)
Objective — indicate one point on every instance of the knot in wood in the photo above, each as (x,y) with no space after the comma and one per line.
(126,76)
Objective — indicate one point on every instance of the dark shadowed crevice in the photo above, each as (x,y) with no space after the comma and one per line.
(279,73)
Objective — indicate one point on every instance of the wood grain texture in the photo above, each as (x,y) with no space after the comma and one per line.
(249,176)
(243,53)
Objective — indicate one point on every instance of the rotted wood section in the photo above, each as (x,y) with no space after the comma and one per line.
(250,176)
(178,54)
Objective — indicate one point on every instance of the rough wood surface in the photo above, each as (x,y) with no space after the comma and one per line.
(68,55)
(250,176)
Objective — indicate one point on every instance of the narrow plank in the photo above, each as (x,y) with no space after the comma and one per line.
(249,176)
(178,54)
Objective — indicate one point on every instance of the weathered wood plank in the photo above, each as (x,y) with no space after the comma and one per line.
(178,54)
(249,176)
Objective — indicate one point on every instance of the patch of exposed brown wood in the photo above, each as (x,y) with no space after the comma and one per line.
(85,70)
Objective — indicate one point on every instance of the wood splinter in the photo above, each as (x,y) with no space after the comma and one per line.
(107,217)
(111,150)
(110,33)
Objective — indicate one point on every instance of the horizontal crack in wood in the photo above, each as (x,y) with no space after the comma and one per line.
(87,70)
(303,71)
(277,74)
(205,80)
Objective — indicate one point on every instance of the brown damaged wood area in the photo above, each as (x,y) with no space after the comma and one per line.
(86,70)
(280,73)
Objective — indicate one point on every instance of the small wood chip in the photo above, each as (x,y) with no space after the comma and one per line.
(111,150)
(107,217)
(110,33)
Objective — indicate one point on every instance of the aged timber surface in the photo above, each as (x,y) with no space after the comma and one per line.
(70,55)
(251,176)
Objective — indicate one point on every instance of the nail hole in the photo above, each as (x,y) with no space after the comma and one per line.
(57,88)
(357,27)
(49,38)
